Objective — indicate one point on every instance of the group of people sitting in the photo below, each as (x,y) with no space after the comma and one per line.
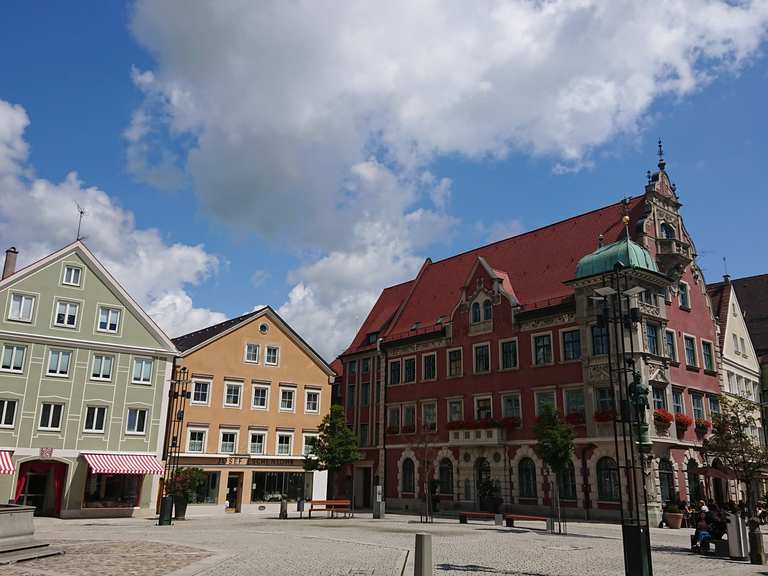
(711,522)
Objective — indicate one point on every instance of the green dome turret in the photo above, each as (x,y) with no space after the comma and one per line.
(604,259)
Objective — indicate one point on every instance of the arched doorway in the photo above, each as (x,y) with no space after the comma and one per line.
(41,484)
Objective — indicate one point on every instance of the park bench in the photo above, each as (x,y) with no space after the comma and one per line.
(331,507)
(509,519)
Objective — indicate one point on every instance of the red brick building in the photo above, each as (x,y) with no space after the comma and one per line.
(445,377)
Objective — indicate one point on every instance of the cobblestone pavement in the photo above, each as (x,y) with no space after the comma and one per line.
(248,545)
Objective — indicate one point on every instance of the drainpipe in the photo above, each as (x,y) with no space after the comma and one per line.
(383,424)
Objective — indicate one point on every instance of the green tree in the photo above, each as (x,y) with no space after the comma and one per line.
(186,482)
(554,445)
(732,442)
(336,444)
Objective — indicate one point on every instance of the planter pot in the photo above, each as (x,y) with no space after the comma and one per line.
(180,507)
(674,520)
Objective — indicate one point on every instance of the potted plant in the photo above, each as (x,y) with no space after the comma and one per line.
(674,516)
(683,422)
(663,418)
(702,426)
(183,486)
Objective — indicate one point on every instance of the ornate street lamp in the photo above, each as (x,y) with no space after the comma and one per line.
(178,394)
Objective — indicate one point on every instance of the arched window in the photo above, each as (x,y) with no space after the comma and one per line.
(475,312)
(692,472)
(566,483)
(446,476)
(487,310)
(526,472)
(409,479)
(666,480)
(667,231)
(607,480)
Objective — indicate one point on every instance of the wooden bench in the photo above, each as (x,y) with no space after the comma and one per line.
(331,507)
(509,519)
(465,516)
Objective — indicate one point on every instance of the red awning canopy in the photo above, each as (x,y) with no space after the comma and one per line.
(6,463)
(123,463)
(715,473)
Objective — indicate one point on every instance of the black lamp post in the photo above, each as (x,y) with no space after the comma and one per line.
(620,315)
(178,394)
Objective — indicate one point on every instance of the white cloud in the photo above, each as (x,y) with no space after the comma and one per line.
(39,217)
(500,229)
(285,107)
(259,277)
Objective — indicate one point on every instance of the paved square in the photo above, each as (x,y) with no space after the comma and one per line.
(249,545)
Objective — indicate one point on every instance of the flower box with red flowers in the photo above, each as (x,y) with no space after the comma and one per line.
(410,429)
(511,422)
(702,426)
(575,418)
(683,422)
(663,417)
(604,416)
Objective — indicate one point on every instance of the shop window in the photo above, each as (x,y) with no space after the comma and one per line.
(270,486)
(208,491)
(607,480)
(112,490)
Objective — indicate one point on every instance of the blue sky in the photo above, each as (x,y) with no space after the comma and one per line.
(69,66)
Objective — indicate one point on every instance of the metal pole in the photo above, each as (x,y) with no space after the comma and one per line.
(422,559)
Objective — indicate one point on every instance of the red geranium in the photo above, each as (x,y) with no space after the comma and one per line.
(604,415)
(703,425)
(663,417)
(683,421)
(575,418)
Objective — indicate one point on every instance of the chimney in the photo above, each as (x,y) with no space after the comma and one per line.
(727,278)
(10,262)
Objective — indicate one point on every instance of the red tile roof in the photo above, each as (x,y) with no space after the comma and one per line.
(536,265)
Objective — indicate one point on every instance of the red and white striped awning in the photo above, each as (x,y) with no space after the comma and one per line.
(123,463)
(6,463)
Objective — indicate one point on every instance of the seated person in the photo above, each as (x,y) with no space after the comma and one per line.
(702,534)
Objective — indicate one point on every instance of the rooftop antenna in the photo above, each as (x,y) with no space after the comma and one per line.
(660,153)
(81,213)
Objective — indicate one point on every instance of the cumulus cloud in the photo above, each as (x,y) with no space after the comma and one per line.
(285,107)
(500,229)
(38,216)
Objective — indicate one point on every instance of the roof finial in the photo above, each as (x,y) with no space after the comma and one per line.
(660,153)
(600,241)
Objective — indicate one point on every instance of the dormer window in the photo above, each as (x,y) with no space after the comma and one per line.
(475,312)
(487,310)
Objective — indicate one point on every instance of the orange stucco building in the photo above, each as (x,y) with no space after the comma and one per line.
(258,396)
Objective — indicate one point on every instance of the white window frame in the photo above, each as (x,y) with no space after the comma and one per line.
(245,352)
(236,384)
(403,408)
(23,296)
(700,395)
(307,392)
(736,343)
(100,378)
(189,440)
(676,357)
(68,267)
(424,366)
(566,407)
(263,434)
(688,306)
(260,386)
(424,404)
(561,341)
(389,371)
(266,356)
(143,360)
(67,303)
(702,341)
(96,409)
(109,310)
(282,433)
(58,373)
(128,432)
(448,409)
(536,394)
(695,351)
(16,348)
(682,400)
(515,394)
(304,437)
(208,388)
(551,348)
(4,412)
(591,339)
(292,390)
(475,399)
(501,354)
(475,346)
(448,362)
(234,431)
(415,370)
(50,428)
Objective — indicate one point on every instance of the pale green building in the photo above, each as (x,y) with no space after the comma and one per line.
(84,378)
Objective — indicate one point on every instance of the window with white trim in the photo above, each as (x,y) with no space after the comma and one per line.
(690,351)
(707,355)
(508,354)
(510,405)
(574,401)
(429,366)
(287,399)
(142,370)
(22,307)
(137,421)
(677,401)
(735,343)
(95,416)
(483,408)
(429,416)
(684,295)
(394,372)
(257,442)
(227,442)
(72,275)
(7,413)
(273,356)
(312,401)
(542,349)
(196,441)
(409,370)
(102,367)
(310,442)
(252,353)
(66,314)
(13,358)
(571,343)
(659,398)
(232,392)
(697,401)
(284,443)
(671,344)
(50,416)
(393,419)
(454,362)
(58,362)
(544,399)
(409,418)
(109,319)
(201,390)
(482,358)
(455,410)
(260,399)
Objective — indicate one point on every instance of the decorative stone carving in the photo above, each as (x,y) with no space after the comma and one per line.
(565,318)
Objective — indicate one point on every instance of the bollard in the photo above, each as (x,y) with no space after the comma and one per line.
(422,559)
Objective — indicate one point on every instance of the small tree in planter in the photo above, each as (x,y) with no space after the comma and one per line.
(183,486)
(555,447)
(336,444)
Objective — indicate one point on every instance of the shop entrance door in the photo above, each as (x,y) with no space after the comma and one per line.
(41,484)
(234,491)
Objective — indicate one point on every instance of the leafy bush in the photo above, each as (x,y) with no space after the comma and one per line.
(186,482)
